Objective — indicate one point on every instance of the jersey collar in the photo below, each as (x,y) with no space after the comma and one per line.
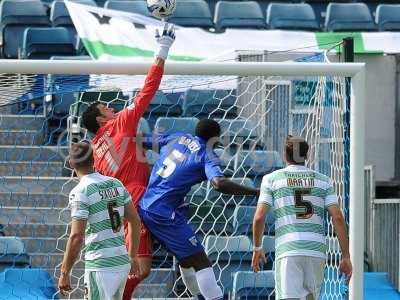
(296,167)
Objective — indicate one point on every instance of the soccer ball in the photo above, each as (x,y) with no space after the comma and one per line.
(161,8)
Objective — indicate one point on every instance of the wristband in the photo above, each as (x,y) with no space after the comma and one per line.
(257,248)
(163,52)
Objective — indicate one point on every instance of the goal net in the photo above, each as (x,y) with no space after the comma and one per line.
(256,113)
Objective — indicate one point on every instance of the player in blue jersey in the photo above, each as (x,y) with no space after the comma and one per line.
(185,160)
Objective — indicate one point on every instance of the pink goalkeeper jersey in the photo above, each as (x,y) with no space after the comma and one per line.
(114,146)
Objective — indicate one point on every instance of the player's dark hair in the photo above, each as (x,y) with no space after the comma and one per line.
(207,129)
(296,150)
(89,116)
(81,156)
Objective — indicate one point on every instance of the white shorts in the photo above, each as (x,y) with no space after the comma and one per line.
(105,285)
(296,277)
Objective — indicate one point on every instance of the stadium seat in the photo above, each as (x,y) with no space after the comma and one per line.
(115,99)
(233,254)
(27,284)
(388,17)
(348,17)
(59,15)
(136,7)
(243,219)
(43,43)
(12,253)
(60,96)
(292,16)
(207,103)
(319,8)
(238,14)
(257,163)
(166,125)
(240,132)
(209,217)
(161,105)
(252,285)
(15,17)
(192,13)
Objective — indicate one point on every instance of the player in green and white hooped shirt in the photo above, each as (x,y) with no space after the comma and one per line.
(299,197)
(98,206)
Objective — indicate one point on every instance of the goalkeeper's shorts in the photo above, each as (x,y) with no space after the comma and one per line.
(105,285)
(298,276)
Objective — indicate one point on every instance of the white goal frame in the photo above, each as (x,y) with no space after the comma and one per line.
(356,71)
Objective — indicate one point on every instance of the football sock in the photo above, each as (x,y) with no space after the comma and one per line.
(130,286)
(190,280)
(208,284)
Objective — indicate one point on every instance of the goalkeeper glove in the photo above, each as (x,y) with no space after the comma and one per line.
(165,40)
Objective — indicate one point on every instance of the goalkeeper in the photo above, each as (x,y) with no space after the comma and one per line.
(185,160)
(116,153)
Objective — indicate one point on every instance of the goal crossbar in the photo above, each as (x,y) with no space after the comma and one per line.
(357,114)
(74,67)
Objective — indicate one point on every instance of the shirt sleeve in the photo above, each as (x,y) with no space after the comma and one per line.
(266,192)
(212,166)
(79,205)
(127,197)
(128,119)
(331,197)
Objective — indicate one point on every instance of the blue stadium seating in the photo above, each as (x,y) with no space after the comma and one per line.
(174,125)
(348,17)
(61,99)
(162,105)
(292,16)
(243,219)
(239,131)
(192,13)
(198,103)
(238,14)
(258,163)
(27,284)
(137,7)
(248,284)
(233,254)
(319,8)
(12,253)
(198,194)
(43,43)
(15,18)
(59,15)
(388,17)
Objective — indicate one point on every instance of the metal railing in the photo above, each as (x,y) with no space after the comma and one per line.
(382,231)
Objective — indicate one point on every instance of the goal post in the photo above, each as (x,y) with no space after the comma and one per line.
(356,71)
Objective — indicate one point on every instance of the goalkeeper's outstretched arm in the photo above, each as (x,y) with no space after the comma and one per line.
(226,186)
(135,111)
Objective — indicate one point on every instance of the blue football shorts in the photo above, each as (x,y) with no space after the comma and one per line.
(175,234)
